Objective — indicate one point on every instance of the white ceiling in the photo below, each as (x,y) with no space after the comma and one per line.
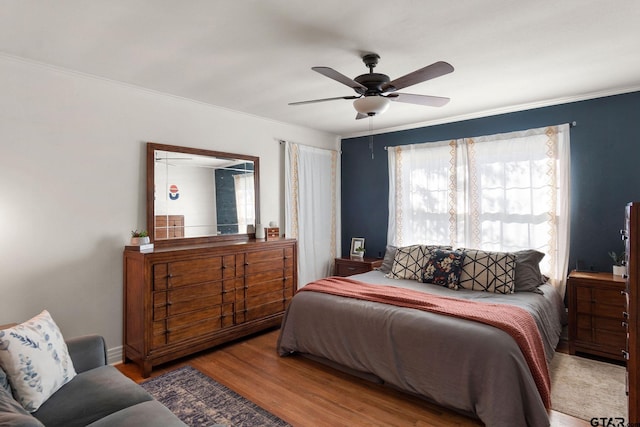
(255,56)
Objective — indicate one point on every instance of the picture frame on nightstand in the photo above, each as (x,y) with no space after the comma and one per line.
(356,244)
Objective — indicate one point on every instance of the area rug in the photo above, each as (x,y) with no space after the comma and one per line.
(586,388)
(199,401)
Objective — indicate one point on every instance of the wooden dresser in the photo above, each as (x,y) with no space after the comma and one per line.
(631,237)
(348,266)
(596,306)
(181,300)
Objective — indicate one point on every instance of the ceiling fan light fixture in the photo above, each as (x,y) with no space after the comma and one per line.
(371,105)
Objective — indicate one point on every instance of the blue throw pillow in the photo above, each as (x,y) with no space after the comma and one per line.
(443,268)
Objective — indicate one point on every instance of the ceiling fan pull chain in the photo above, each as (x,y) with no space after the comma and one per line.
(371,135)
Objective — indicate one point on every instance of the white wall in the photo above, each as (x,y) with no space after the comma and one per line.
(197,207)
(72,173)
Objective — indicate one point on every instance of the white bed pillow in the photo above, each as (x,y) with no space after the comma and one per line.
(488,271)
(35,359)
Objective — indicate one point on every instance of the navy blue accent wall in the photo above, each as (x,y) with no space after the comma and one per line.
(227,212)
(605,172)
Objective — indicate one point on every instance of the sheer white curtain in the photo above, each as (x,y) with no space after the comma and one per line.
(310,208)
(500,192)
(244,199)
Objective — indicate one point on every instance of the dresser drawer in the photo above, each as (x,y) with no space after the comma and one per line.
(264,310)
(190,272)
(192,324)
(182,300)
(266,261)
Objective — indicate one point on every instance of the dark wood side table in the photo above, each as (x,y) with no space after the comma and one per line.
(347,266)
(596,318)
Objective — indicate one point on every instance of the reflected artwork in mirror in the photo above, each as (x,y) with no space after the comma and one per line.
(196,195)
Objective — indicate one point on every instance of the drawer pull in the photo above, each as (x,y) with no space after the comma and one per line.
(625,354)
(625,324)
(246,263)
(625,314)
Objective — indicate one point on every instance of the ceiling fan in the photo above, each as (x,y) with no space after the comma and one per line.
(375,90)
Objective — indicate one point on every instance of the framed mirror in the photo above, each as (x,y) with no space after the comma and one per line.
(199,196)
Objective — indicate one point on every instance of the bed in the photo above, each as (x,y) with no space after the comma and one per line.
(471,367)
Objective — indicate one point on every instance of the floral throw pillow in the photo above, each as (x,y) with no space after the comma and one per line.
(36,360)
(408,261)
(443,268)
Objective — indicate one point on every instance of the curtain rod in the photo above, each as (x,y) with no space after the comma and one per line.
(571,125)
(284,141)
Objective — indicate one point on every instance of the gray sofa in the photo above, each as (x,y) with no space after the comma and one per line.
(98,396)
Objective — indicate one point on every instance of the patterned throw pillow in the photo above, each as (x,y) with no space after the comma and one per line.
(409,261)
(443,268)
(36,360)
(488,271)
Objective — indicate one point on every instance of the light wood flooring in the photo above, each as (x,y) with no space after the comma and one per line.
(305,393)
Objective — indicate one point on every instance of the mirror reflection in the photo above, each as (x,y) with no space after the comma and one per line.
(201,195)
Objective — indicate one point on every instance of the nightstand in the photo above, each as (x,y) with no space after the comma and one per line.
(348,266)
(596,307)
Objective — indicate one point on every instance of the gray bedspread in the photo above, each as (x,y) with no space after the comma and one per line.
(468,366)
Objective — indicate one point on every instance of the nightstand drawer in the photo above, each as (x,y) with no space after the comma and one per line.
(349,266)
(349,269)
(596,309)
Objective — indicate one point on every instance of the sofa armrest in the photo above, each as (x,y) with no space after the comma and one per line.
(87,352)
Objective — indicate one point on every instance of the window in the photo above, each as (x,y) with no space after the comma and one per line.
(501,192)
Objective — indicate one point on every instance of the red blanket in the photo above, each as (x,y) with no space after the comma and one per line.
(515,321)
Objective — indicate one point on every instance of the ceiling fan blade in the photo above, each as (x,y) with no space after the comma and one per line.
(411,98)
(361,116)
(322,100)
(333,74)
(429,72)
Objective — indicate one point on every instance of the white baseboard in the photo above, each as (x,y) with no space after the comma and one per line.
(114,355)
